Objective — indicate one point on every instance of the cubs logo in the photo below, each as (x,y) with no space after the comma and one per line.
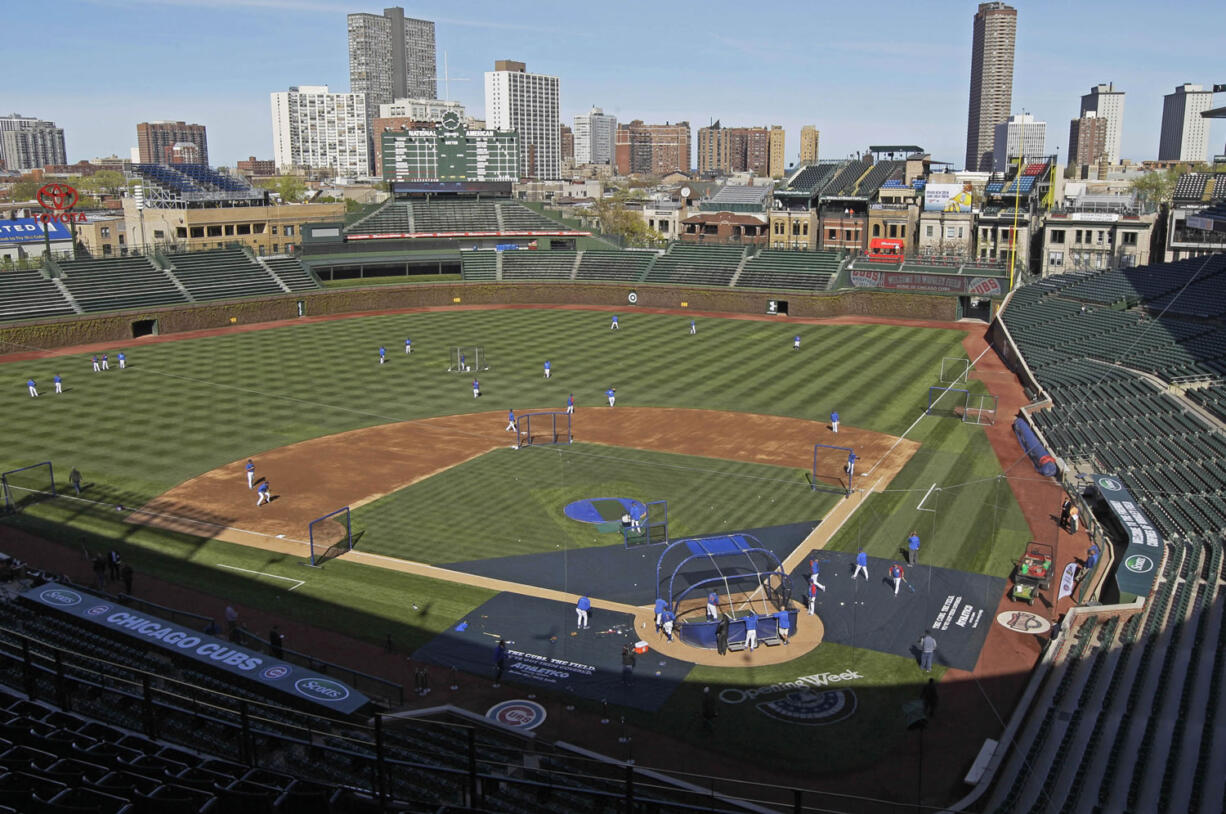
(275,671)
(518,713)
(98,610)
(1023,622)
(811,708)
(1139,564)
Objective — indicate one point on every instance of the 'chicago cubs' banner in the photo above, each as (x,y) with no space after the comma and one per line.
(29,230)
(297,682)
(1139,566)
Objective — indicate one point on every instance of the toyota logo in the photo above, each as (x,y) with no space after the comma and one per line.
(57,197)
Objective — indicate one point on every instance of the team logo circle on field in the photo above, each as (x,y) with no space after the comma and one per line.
(1139,564)
(1023,622)
(1110,484)
(98,610)
(811,708)
(518,713)
(276,671)
(60,596)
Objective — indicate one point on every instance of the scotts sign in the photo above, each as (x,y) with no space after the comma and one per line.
(169,637)
(1144,550)
(58,200)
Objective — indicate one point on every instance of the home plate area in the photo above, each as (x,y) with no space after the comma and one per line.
(545,651)
(958,607)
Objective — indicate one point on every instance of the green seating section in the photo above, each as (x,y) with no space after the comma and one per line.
(291,272)
(451,215)
(480,265)
(687,264)
(222,274)
(792,271)
(615,266)
(26,294)
(530,265)
(111,284)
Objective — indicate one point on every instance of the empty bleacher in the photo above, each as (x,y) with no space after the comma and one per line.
(614,266)
(792,271)
(455,216)
(111,284)
(394,217)
(291,272)
(530,265)
(26,294)
(222,274)
(518,218)
(479,265)
(686,264)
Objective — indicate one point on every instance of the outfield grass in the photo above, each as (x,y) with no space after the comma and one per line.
(510,502)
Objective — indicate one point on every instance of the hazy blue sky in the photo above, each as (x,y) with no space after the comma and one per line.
(864,73)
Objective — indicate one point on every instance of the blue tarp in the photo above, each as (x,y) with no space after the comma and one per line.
(1039,456)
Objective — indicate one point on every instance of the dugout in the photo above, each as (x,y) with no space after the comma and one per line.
(749,579)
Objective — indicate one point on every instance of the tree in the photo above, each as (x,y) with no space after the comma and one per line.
(616,218)
(24,190)
(290,187)
(110,182)
(1158,187)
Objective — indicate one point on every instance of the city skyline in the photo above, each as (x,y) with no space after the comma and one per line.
(915,60)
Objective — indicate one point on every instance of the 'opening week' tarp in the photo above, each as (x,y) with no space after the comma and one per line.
(171,637)
(1139,567)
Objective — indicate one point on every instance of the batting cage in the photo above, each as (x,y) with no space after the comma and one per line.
(27,485)
(330,535)
(543,428)
(955,369)
(646,523)
(834,469)
(748,580)
(980,409)
(949,402)
(467,359)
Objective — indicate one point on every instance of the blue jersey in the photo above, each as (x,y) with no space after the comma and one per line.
(713,598)
(408,343)
(122,357)
(30,383)
(668,616)
(510,413)
(751,621)
(57,379)
(615,318)
(815,567)
(834,416)
(570,401)
(661,605)
(784,622)
(547,365)
(382,350)
(264,486)
(250,466)
(913,542)
(584,603)
(862,559)
(609,392)
(896,571)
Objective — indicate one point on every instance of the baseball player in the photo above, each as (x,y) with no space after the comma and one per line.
(476,388)
(815,570)
(784,622)
(751,631)
(666,623)
(612,394)
(59,383)
(106,362)
(264,495)
(33,388)
(913,544)
(123,361)
(661,606)
(861,565)
(547,369)
(570,404)
(614,326)
(581,608)
(510,421)
(463,366)
(713,606)
(796,342)
(896,574)
(408,345)
(850,469)
(382,354)
(812,598)
(693,328)
(250,473)
(96,367)
(834,422)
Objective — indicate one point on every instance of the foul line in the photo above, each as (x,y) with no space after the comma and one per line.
(300,582)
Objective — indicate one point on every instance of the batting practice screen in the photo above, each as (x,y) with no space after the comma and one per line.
(330,535)
(831,469)
(27,484)
(533,429)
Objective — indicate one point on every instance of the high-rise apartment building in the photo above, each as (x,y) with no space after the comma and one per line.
(991,81)
(1185,133)
(810,138)
(595,133)
(32,148)
(528,104)
(1107,105)
(314,128)
(1020,136)
(652,149)
(777,158)
(566,145)
(421,110)
(739,149)
(1087,140)
(155,141)
(391,57)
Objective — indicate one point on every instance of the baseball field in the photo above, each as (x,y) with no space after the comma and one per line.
(720,424)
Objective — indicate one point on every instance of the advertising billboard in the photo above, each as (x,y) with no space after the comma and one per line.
(947,198)
(30,230)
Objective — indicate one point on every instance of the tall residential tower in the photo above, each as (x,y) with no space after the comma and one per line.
(1185,133)
(528,104)
(991,81)
(391,57)
(594,137)
(1106,103)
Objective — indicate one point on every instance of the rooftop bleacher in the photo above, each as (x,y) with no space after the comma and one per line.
(26,294)
(111,284)
(195,182)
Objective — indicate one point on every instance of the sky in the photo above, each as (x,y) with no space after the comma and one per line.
(889,73)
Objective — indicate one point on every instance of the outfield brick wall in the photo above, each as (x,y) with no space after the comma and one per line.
(117,327)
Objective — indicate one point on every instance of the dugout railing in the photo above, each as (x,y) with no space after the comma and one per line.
(467,760)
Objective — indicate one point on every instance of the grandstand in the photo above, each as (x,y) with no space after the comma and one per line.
(478,266)
(166,184)
(792,271)
(521,265)
(614,266)
(290,271)
(696,265)
(454,217)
